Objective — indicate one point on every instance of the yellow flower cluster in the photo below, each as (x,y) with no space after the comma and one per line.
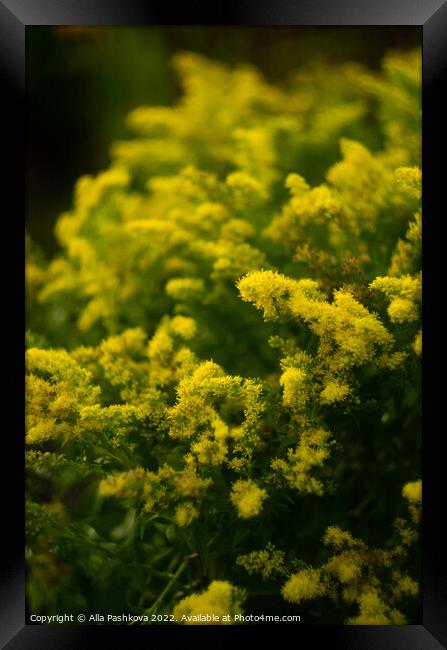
(404,294)
(349,334)
(194,416)
(119,355)
(304,585)
(247,497)
(169,359)
(212,449)
(398,91)
(125,484)
(407,254)
(163,488)
(272,291)
(188,483)
(359,191)
(57,391)
(186,513)
(269,562)
(417,344)
(310,453)
(155,215)
(354,574)
(413,493)
(293,381)
(411,179)
(220,599)
(373,611)
(334,391)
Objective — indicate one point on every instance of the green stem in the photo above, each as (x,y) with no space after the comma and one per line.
(123,458)
(170,584)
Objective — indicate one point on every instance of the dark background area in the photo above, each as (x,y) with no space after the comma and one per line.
(82,81)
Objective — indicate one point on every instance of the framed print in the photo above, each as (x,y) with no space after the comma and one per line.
(224,432)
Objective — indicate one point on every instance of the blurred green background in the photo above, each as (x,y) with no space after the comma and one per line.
(82,81)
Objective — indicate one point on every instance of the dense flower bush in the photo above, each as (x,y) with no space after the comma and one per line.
(223,362)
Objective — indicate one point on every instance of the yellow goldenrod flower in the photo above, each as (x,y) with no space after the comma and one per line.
(310,453)
(334,392)
(411,179)
(417,344)
(247,497)
(304,585)
(293,382)
(268,563)
(185,514)
(220,599)
(413,491)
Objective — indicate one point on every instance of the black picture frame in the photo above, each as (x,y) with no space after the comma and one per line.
(15,16)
